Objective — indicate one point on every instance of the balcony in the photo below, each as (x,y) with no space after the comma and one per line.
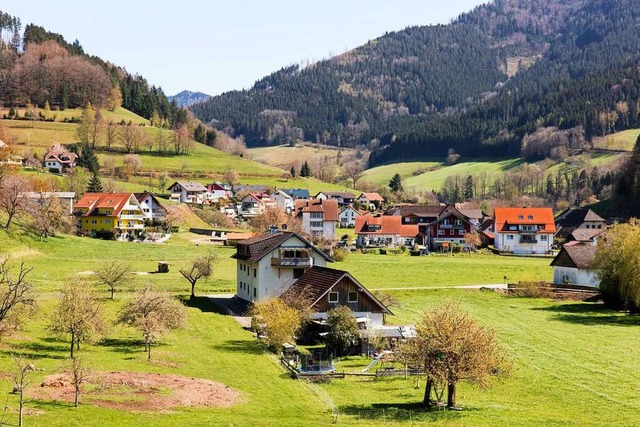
(528,241)
(292,262)
(139,217)
(451,226)
(130,226)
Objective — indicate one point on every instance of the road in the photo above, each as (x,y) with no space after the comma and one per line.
(426,288)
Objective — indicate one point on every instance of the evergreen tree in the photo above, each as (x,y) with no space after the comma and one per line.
(293,172)
(88,159)
(210,138)
(199,134)
(468,188)
(95,184)
(395,184)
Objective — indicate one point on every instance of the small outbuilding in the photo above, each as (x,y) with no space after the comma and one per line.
(572,266)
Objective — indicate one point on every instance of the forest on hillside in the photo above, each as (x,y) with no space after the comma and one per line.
(39,67)
(482,85)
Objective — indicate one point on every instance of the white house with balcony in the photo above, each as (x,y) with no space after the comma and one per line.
(151,207)
(268,264)
(187,192)
(524,231)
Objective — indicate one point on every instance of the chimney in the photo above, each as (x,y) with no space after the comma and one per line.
(273,229)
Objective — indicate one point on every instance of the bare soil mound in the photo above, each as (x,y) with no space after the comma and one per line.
(134,391)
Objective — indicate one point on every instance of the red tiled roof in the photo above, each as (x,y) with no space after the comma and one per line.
(388,224)
(91,201)
(524,216)
(329,207)
(372,197)
(409,230)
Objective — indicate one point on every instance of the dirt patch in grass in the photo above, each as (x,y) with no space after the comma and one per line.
(134,391)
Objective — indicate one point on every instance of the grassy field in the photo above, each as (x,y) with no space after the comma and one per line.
(571,359)
(624,140)
(283,156)
(115,116)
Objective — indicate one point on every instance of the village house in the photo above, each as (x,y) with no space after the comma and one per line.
(370,201)
(449,228)
(578,219)
(187,192)
(324,289)
(342,197)
(59,160)
(64,199)
(217,191)
(572,266)
(297,193)
(524,231)
(347,216)
(117,213)
(268,264)
(152,209)
(384,230)
(254,204)
(319,217)
(284,201)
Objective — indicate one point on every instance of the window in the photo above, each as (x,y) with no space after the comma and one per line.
(440,232)
(353,297)
(316,215)
(298,272)
(107,221)
(509,236)
(599,225)
(461,232)
(255,272)
(254,292)
(530,217)
(520,216)
(333,297)
(458,222)
(544,237)
(316,224)
(452,232)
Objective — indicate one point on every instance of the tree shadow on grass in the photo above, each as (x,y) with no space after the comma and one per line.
(120,345)
(591,314)
(412,411)
(39,350)
(239,346)
(204,304)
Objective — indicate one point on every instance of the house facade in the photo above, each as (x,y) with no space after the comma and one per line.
(284,201)
(572,266)
(217,191)
(342,197)
(347,216)
(371,201)
(574,219)
(524,231)
(319,217)
(187,192)
(152,210)
(326,288)
(255,204)
(268,264)
(384,230)
(118,213)
(59,160)
(450,227)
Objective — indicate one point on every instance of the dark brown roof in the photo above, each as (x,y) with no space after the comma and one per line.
(260,246)
(575,256)
(316,282)
(418,210)
(585,234)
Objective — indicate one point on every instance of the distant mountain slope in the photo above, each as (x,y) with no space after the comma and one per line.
(477,85)
(187,98)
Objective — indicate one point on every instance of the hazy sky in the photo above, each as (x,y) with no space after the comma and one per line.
(216,46)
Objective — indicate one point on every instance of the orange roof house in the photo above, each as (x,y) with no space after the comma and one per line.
(526,231)
(318,216)
(384,230)
(118,213)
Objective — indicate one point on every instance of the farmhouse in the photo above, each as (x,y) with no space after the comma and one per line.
(59,160)
(384,230)
(255,204)
(324,289)
(118,213)
(524,231)
(572,265)
(187,192)
(371,201)
(342,197)
(217,191)
(268,264)
(578,219)
(151,207)
(450,227)
(319,217)
(347,216)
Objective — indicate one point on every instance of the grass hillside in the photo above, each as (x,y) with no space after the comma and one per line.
(624,140)
(283,156)
(430,174)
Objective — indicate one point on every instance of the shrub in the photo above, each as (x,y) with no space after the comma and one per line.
(530,289)
(339,254)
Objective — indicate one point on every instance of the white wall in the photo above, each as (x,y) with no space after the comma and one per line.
(574,276)
(502,243)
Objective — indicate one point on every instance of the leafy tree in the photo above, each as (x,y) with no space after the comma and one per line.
(95,184)
(200,268)
(617,262)
(343,329)
(78,314)
(152,313)
(277,321)
(395,184)
(113,274)
(450,346)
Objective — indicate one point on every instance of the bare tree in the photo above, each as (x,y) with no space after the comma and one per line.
(231,177)
(112,274)
(78,314)
(112,134)
(17,297)
(80,373)
(46,215)
(11,201)
(131,137)
(96,128)
(354,171)
(275,216)
(198,269)
(20,374)
(152,313)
